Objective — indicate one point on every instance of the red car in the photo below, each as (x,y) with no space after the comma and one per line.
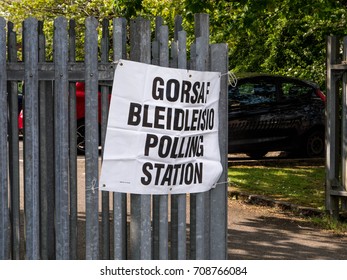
(20,122)
(80,116)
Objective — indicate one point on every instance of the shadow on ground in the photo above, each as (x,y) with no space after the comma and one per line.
(282,238)
(254,233)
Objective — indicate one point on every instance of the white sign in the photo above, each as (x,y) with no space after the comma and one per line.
(162,132)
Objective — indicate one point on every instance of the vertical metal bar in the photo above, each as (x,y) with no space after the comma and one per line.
(43,153)
(163,232)
(47,196)
(46,205)
(50,161)
(173,54)
(119,199)
(31,140)
(179,201)
(61,138)
(200,207)
(4,209)
(174,44)
(331,130)
(155,61)
(192,198)
(219,195)
(182,50)
(192,61)
(344,128)
(140,223)
(178,27)
(202,36)
(92,139)
(14,149)
(73,147)
(104,114)
(158,24)
(155,224)
(155,43)
(119,38)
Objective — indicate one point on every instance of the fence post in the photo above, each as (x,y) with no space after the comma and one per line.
(92,139)
(219,195)
(44,192)
(140,224)
(104,112)
(4,210)
(200,202)
(331,130)
(47,178)
(344,130)
(61,138)
(160,202)
(14,170)
(119,199)
(179,201)
(31,140)
(73,144)
(47,100)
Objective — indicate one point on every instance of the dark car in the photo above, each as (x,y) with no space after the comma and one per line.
(276,113)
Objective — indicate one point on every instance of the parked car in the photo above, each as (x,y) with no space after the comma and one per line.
(276,113)
(80,116)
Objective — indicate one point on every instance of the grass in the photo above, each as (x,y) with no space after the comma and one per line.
(328,223)
(299,184)
(302,185)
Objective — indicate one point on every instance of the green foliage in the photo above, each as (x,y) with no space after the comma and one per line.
(47,10)
(283,37)
(127,8)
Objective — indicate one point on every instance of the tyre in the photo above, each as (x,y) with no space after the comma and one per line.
(81,147)
(315,144)
(80,137)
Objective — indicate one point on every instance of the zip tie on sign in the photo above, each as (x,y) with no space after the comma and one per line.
(93,187)
(232,79)
(222,183)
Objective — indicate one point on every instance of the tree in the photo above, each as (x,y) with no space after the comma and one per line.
(285,37)
(48,10)
(274,36)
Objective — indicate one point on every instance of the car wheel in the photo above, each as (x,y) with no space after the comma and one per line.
(257,155)
(81,148)
(80,131)
(315,144)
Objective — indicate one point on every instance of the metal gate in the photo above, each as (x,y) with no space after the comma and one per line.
(336,126)
(42,188)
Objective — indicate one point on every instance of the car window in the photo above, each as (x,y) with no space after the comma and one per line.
(250,93)
(293,91)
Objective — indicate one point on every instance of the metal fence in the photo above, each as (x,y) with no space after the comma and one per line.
(336,126)
(41,216)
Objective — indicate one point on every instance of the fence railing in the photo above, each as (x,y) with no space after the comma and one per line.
(336,127)
(50,207)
